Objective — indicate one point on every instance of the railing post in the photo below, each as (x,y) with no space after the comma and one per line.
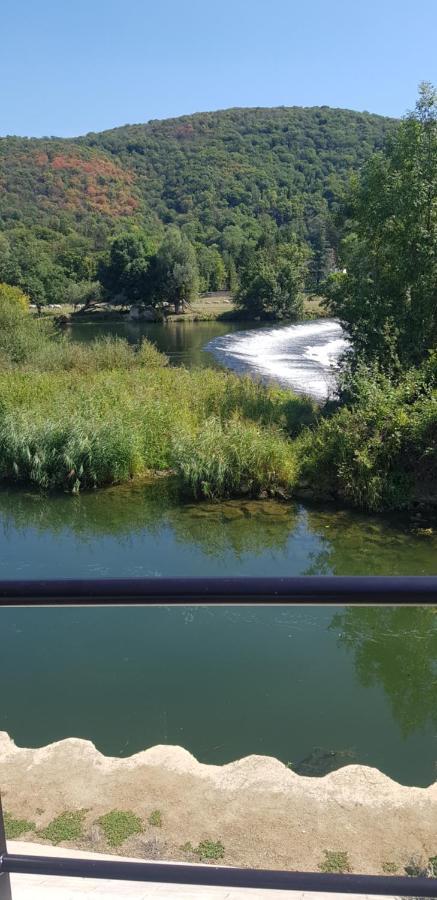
(5,881)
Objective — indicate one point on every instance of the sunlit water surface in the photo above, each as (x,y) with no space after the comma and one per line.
(305,356)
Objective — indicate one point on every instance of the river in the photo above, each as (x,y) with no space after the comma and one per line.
(304,356)
(315,687)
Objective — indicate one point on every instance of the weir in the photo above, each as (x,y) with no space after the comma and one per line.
(304,356)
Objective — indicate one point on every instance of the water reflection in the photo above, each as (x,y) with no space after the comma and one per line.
(146,529)
(183,342)
(149,509)
(395,648)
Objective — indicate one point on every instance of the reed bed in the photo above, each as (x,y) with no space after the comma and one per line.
(80,429)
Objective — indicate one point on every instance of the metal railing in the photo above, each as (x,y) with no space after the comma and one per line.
(207,591)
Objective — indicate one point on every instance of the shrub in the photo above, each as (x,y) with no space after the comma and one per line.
(377,451)
(118,825)
(14,298)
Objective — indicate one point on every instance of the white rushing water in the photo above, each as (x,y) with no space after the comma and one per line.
(304,357)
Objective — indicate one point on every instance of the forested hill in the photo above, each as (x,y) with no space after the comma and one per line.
(227,177)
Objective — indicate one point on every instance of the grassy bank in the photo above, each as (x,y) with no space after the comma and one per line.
(111,414)
(74,416)
(85,428)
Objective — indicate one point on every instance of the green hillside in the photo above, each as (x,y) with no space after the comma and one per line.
(228,179)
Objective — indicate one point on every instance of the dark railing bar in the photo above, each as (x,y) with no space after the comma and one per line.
(174,591)
(5,883)
(219,876)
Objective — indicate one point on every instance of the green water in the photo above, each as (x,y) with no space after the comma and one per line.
(317,687)
(361,684)
(146,530)
(224,683)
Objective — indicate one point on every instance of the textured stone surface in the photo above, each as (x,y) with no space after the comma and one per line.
(266,815)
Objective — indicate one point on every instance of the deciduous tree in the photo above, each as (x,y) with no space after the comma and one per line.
(387,297)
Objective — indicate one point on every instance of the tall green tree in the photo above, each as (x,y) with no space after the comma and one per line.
(26,262)
(176,276)
(272,282)
(212,272)
(125,275)
(387,297)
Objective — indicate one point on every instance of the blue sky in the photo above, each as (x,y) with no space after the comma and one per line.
(73,66)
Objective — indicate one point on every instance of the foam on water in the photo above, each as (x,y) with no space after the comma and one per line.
(304,357)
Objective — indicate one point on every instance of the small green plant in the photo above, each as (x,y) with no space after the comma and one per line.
(335,861)
(66,827)
(187,847)
(155,818)
(118,825)
(389,868)
(206,850)
(210,850)
(14,828)
(289,764)
(432,865)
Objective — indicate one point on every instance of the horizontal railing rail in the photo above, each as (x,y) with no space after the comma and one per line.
(217,876)
(179,591)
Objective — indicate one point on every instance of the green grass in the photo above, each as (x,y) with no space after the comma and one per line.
(335,861)
(76,430)
(118,825)
(155,818)
(14,828)
(66,827)
(76,416)
(237,457)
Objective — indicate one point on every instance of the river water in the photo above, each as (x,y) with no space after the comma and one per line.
(304,357)
(317,687)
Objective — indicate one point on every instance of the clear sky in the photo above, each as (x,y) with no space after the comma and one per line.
(72,66)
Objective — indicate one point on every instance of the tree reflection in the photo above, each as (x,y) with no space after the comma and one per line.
(147,508)
(397,647)
(354,543)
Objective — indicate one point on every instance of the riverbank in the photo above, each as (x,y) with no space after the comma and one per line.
(83,415)
(253,812)
(215,306)
(223,435)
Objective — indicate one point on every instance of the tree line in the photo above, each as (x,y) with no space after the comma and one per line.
(237,184)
